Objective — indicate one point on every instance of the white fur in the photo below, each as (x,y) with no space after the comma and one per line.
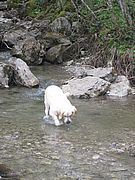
(57,105)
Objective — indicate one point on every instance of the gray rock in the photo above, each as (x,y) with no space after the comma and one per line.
(49,46)
(5,24)
(71,51)
(3,5)
(120,88)
(82,71)
(24,46)
(13,36)
(62,25)
(29,50)
(77,71)
(6,75)
(54,54)
(51,39)
(86,87)
(131,150)
(104,73)
(22,74)
(7,173)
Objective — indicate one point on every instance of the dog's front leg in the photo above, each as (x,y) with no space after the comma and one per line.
(56,120)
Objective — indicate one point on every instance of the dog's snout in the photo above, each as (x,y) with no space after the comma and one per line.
(68,122)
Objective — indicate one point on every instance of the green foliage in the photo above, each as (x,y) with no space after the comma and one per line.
(36,7)
(110,24)
(68,7)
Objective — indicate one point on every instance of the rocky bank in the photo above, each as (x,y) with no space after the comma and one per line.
(35,41)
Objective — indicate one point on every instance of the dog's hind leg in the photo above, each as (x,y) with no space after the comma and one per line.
(46,111)
(47,108)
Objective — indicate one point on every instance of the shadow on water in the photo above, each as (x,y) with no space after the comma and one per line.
(94,146)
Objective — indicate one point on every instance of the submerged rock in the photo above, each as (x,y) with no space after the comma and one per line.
(7,173)
(22,74)
(6,75)
(86,87)
(131,150)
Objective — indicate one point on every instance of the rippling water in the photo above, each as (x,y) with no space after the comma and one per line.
(94,146)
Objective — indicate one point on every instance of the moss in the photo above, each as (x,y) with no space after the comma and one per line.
(62,14)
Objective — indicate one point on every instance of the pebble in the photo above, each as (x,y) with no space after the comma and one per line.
(96,157)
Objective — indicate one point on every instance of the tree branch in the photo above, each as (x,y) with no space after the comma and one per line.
(89,8)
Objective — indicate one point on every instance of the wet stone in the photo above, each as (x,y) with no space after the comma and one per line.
(7,173)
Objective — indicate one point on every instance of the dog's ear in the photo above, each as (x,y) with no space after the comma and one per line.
(74,110)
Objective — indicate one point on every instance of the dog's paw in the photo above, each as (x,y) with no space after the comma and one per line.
(58,123)
(45,117)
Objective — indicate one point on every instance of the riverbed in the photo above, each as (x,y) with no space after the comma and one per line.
(99,144)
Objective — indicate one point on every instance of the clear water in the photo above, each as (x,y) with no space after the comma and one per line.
(94,146)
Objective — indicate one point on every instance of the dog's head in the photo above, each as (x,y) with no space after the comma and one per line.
(67,114)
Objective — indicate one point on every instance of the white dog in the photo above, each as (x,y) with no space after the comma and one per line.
(58,106)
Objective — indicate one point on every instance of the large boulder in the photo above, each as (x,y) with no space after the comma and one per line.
(86,87)
(54,44)
(54,54)
(29,50)
(6,75)
(120,88)
(22,74)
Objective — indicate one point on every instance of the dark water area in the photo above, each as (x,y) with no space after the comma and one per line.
(95,146)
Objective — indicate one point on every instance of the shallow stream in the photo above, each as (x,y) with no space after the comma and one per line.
(95,146)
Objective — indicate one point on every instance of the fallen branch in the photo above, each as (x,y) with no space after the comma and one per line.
(75,6)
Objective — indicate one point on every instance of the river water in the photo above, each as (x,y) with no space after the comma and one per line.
(95,146)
